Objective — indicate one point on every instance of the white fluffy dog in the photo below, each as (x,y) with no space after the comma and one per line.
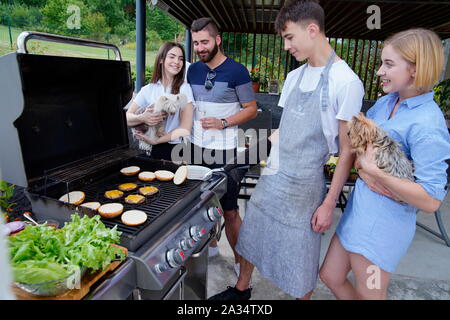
(170,104)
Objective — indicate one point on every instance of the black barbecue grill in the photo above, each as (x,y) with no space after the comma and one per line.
(159,207)
(63,129)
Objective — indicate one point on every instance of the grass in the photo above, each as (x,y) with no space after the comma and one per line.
(62,49)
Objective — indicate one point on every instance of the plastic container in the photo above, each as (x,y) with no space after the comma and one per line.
(54,287)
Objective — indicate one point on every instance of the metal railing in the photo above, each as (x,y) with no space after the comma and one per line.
(266,52)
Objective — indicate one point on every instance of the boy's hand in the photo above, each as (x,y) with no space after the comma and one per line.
(322,218)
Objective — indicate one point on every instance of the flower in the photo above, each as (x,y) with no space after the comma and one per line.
(255,75)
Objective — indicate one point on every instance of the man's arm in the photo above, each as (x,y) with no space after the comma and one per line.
(249,112)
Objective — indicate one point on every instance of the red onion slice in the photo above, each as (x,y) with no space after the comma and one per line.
(15,226)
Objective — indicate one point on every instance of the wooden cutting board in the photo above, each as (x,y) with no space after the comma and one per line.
(76,294)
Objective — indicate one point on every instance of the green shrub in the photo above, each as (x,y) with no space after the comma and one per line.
(153,41)
(130,45)
(148,75)
(5,13)
(442,95)
(95,25)
(19,15)
(35,17)
(123,29)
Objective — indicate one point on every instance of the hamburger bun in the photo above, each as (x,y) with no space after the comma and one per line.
(127,186)
(148,191)
(164,175)
(133,217)
(110,210)
(130,171)
(146,176)
(135,199)
(113,194)
(74,197)
(180,175)
(91,205)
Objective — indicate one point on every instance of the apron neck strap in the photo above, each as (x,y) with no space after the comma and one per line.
(325,80)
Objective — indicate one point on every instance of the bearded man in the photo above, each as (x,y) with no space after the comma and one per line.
(224,98)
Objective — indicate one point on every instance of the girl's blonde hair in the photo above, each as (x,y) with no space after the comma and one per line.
(423,49)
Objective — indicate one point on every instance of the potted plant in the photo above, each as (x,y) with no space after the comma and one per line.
(257,78)
(330,168)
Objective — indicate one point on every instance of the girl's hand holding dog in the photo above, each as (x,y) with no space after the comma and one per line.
(140,136)
(150,118)
(369,171)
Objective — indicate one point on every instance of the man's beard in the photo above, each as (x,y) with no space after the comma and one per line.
(211,54)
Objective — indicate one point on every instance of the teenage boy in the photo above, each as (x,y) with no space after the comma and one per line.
(289,208)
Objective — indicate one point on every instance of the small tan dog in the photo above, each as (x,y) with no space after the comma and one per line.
(389,157)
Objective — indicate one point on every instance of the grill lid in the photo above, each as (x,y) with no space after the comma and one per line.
(70,109)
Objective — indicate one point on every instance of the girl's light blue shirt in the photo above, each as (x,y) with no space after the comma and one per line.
(376,226)
(419,126)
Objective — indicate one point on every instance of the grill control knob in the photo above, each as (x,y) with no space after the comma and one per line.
(214,213)
(196,232)
(161,267)
(175,257)
(187,244)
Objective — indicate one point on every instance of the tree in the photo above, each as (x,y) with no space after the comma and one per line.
(164,25)
(55,15)
(95,25)
(30,3)
(112,10)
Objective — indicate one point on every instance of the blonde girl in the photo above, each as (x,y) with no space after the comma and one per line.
(376,229)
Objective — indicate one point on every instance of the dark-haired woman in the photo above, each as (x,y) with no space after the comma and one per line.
(168,78)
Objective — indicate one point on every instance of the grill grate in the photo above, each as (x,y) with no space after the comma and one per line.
(79,169)
(109,178)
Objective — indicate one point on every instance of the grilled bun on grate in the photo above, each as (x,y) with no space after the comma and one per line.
(110,210)
(127,186)
(147,176)
(130,171)
(180,175)
(164,175)
(74,197)
(92,205)
(135,199)
(113,194)
(133,217)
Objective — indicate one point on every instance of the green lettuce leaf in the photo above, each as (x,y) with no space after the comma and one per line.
(42,253)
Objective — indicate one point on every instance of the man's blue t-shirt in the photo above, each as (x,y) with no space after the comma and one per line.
(231,87)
